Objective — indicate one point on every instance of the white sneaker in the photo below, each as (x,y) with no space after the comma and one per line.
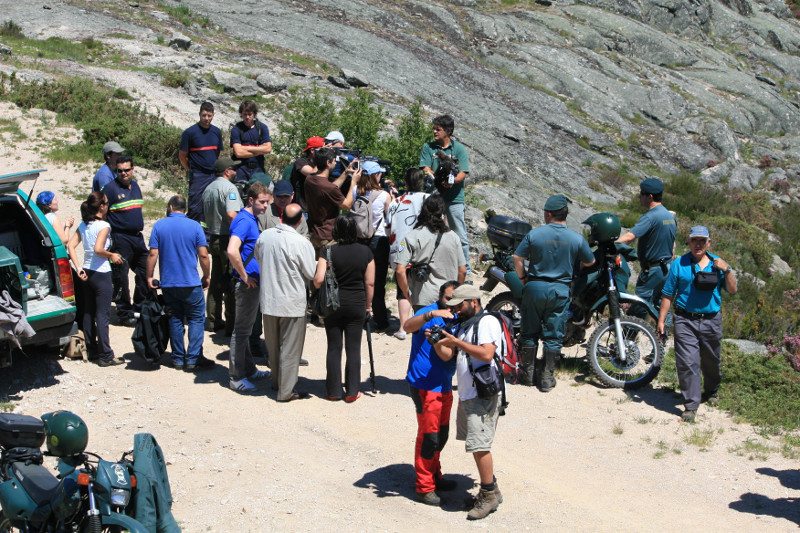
(258,374)
(400,335)
(242,385)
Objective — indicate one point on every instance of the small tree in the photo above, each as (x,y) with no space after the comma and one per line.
(308,113)
(361,122)
(413,131)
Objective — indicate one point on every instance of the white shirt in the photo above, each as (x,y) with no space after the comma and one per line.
(489,331)
(286,261)
(400,219)
(92,261)
(378,210)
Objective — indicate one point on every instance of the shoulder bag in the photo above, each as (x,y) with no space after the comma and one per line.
(325,300)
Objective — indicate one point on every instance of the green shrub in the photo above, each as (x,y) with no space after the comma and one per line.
(175,78)
(308,113)
(361,122)
(11,29)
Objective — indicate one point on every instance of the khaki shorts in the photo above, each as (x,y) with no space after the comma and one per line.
(476,421)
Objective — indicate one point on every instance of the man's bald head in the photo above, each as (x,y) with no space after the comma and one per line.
(292,215)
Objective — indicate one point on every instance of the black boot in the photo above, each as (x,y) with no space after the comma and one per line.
(528,356)
(548,380)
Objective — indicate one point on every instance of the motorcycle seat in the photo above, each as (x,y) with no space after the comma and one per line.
(37,481)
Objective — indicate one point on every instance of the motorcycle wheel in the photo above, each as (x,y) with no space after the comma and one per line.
(506,303)
(643,349)
(5,525)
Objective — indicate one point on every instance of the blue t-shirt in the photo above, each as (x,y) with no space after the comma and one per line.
(426,370)
(203,147)
(245,226)
(656,233)
(258,134)
(552,250)
(103,176)
(680,284)
(177,239)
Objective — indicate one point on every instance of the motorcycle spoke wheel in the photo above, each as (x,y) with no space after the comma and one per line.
(506,304)
(644,354)
(5,525)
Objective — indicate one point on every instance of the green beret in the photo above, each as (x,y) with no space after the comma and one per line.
(263,177)
(555,202)
(652,186)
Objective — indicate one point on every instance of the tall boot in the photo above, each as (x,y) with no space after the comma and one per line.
(528,356)
(548,381)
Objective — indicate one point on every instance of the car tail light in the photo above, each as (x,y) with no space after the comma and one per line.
(65,277)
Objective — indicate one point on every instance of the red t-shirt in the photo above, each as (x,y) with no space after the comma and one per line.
(323,199)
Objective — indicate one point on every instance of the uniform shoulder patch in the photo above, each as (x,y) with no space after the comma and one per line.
(232,196)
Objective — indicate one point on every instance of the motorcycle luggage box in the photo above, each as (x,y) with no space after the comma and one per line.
(21,431)
(506,232)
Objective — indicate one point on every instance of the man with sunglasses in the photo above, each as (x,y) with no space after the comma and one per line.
(126,220)
(656,233)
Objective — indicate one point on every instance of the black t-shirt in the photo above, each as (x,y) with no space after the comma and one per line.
(298,180)
(349,264)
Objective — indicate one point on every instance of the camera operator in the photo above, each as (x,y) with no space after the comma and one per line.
(430,381)
(303,167)
(478,341)
(325,197)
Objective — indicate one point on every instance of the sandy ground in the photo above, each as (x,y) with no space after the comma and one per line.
(581,458)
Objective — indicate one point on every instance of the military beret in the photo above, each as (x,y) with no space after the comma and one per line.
(555,202)
(652,186)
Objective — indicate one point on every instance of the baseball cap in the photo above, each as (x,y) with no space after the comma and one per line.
(652,186)
(224,163)
(283,188)
(335,136)
(371,167)
(45,197)
(699,231)
(314,142)
(112,146)
(464,292)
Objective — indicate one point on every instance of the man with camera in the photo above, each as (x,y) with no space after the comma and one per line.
(325,197)
(430,381)
(477,345)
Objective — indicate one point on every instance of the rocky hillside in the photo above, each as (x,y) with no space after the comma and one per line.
(584,98)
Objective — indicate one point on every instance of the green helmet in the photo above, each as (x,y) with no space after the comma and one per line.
(603,228)
(66,433)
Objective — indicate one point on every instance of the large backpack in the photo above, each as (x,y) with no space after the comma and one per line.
(511,363)
(361,212)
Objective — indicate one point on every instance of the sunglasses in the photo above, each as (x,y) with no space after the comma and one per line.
(125,170)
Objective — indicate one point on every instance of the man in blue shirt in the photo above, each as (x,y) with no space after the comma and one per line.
(430,381)
(698,320)
(552,250)
(656,233)
(244,233)
(178,243)
(250,141)
(108,172)
(201,145)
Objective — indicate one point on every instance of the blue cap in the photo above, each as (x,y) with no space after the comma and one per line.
(652,186)
(283,188)
(699,231)
(45,197)
(371,167)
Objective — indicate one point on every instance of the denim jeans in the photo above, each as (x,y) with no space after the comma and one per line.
(241,362)
(455,219)
(187,305)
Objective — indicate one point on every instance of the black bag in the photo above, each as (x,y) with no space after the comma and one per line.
(488,379)
(705,281)
(151,334)
(420,271)
(325,300)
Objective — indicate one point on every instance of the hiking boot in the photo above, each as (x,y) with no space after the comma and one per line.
(713,399)
(469,502)
(242,385)
(528,356)
(548,380)
(689,415)
(429,498)
(485,504)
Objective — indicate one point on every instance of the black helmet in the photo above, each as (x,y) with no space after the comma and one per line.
(603,228)
(66,433)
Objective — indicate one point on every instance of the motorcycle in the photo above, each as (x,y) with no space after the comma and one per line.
(89,495)
(623,351)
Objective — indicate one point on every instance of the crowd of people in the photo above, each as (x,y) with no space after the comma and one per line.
(263,246)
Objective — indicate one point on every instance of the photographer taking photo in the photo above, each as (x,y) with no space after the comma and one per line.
(476,349)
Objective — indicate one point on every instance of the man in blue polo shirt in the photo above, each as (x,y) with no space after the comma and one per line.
(177,243)
(551,251)
(244,233)
(656,233)
(250,141)
(443,127)
(430,381)
(201,145)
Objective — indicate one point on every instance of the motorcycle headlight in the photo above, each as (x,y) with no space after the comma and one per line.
(120,497)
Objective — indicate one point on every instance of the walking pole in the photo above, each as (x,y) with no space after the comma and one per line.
(371,356)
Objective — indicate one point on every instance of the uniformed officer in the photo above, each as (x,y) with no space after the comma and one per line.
(656,233)
(551,250)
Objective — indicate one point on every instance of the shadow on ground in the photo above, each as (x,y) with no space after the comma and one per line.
(38,369)
(758,504)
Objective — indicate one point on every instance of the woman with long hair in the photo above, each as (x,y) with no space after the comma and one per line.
(354,269)
(96,273)
(47,202)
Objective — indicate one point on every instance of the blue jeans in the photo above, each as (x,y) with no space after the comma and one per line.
(186,305)
(457,223)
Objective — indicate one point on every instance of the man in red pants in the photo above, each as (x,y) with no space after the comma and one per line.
(431,384)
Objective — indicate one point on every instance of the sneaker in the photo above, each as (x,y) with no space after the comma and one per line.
(242,385)
(485,504)
(429,498)
(110,362)
(689,415)
(303,362)
(401,335)
(258,374)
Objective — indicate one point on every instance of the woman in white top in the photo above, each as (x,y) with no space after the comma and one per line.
(48,204)
(96,273)
(379,244)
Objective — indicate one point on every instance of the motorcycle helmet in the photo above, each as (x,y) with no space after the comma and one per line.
(66,433)
(602,228)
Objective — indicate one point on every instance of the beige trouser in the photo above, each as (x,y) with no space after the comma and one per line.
(285,337)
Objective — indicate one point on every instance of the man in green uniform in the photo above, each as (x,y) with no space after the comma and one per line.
(656,233)
(551,250)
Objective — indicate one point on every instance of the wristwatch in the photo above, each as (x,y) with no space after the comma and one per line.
(727,269)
